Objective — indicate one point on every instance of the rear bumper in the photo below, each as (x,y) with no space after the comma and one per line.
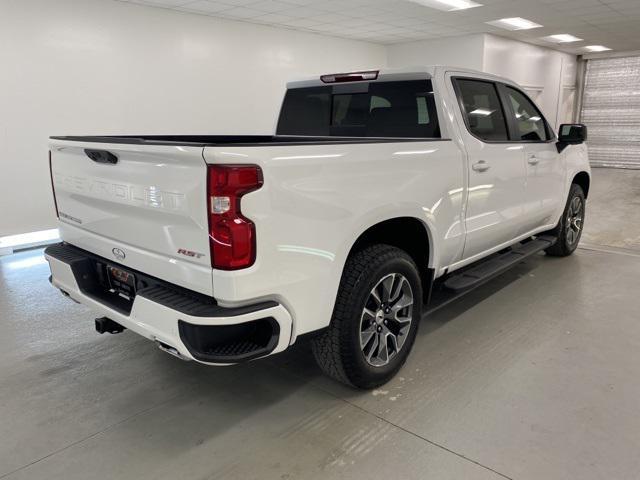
(191,324)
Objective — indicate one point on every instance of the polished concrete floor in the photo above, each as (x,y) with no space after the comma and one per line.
(536,375)
(614,209)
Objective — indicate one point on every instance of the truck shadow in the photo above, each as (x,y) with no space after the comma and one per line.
(165,406)
(299,356)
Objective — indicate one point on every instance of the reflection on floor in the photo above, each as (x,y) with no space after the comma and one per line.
(532,376)
(613,209)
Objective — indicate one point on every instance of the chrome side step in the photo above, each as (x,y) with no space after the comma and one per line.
(495,265)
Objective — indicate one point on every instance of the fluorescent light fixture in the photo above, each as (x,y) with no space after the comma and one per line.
(483,112)
(416,152)
(562,38)
(597,48)
(448,5)
(515,23)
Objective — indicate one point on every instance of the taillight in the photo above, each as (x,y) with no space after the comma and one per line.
(232,236)
(53,188)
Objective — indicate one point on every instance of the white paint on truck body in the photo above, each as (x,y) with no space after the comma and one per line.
(315,201)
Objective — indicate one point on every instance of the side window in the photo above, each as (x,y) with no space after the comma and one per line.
(482,109)
(402,109)
(529,122)
(423,111)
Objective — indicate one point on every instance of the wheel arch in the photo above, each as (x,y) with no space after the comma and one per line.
(409,234)
(584,180)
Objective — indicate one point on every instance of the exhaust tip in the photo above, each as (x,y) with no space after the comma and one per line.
(170,350)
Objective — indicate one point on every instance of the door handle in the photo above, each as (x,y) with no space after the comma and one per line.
(533,160)
(101,156)
(481,166)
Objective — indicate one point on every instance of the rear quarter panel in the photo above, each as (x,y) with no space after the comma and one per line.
(318,199)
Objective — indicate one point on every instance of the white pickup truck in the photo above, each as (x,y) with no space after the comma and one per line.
(379,188)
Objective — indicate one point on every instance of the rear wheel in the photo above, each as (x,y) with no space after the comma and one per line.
(569,228)
(375,318)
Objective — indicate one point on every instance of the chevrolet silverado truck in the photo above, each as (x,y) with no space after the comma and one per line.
(377,189)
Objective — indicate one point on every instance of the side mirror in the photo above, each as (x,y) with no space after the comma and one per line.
(571,134)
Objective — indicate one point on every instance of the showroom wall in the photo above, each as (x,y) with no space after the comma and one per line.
(105,67)
(466,51)
(548,76)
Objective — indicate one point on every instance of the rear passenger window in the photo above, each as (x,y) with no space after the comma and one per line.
(482,109)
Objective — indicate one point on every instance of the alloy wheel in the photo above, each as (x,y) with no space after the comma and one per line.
(386,319)
(575,220)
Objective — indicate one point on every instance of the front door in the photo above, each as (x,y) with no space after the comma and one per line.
(545,173)
(496,172)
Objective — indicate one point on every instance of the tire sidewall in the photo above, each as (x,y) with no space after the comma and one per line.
(575,191)
(370,374)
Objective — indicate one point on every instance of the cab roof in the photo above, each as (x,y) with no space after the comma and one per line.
(405,73)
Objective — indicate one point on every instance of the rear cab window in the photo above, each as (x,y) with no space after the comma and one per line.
(376,109)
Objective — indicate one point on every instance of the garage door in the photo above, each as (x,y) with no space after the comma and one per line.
(611,110)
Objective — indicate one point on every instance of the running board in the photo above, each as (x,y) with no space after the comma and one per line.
(498,264)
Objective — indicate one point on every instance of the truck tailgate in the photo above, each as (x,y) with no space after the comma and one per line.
(141,206)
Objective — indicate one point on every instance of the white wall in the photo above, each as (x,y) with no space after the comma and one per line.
(104,67)
(534,67)
(551,72)
(466,51)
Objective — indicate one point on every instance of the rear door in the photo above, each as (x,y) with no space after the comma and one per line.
(545,173)
(142,206)
(496,173)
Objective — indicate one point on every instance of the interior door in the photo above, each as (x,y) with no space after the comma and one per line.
(496,174)
(545,176)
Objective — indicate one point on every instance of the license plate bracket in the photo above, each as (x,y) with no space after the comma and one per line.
(121,281)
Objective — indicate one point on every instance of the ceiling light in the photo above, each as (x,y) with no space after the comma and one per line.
(597,48)
(483,112)
(515,23)
(562,38)
(448,5)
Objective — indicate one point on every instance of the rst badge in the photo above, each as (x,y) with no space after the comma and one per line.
(119,253)
(189,253)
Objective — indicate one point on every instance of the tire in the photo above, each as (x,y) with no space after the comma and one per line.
(347,349)
(569,228)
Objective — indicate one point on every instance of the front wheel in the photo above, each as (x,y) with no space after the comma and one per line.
(569,228)
(375,318)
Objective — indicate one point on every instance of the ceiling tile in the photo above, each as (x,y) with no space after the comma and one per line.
(270,6)
(614,23)
(205,7)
